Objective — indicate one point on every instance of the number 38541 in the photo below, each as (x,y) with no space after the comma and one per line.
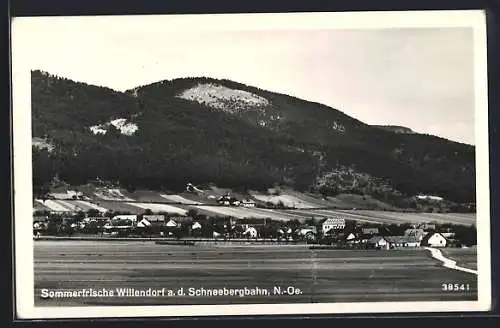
(455,287)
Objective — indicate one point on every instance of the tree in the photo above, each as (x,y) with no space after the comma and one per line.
(93,212)
(79,216)
(192,213)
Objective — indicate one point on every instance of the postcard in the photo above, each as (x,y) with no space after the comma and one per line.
(251,164)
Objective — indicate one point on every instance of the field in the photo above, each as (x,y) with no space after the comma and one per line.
(321,275)
(137,202)
(466,257)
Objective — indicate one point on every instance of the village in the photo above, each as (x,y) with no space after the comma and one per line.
(336,232)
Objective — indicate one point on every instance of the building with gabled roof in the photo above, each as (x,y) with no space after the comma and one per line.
(332,224)
(434,239)
(417,233)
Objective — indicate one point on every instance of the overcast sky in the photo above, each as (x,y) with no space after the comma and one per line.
(421,78)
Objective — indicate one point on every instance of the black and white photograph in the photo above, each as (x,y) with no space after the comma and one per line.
(251,164)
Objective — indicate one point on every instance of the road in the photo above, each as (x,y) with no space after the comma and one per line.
(320,275)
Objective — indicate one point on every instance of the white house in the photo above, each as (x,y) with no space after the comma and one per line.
(143,223)
(196,225)
(251,232)
(378,242)
(333,223)
(434,240)
(171,224)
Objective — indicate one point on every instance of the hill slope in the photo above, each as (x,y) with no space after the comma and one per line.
(204,130)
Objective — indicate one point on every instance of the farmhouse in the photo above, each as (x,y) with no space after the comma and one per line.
(226,200)
(403,241)
(143,223)
(248,203)
(154,218)
(428,227)
(434,239)
(40,223)
(386,242)
(378,242)
(97,219)
(250,232)
(171,224)
(332,223)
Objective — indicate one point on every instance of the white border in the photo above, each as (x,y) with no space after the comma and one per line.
(21,79)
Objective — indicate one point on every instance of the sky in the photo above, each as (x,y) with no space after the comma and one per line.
(421,78)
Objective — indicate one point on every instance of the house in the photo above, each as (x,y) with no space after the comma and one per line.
(434,239)
(332,223)
(187,220)
(99,220)
(285,230)
(307,232)
(227,200)
(143,224)
(350,237)
(417,233)
(154,218)
(250,232)
(378,242)
(196,225)
(386,242)
(248,203)
(306,229)
(171,224)
(40,223)
(403,241)
(428,227)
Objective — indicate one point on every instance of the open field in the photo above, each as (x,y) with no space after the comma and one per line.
(321,275)
(386,217)
(370,216)
(466,257)
(156,208)
(68,205)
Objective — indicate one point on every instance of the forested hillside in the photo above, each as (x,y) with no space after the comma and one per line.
(203,130)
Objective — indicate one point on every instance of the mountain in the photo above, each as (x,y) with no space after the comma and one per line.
(204,130)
